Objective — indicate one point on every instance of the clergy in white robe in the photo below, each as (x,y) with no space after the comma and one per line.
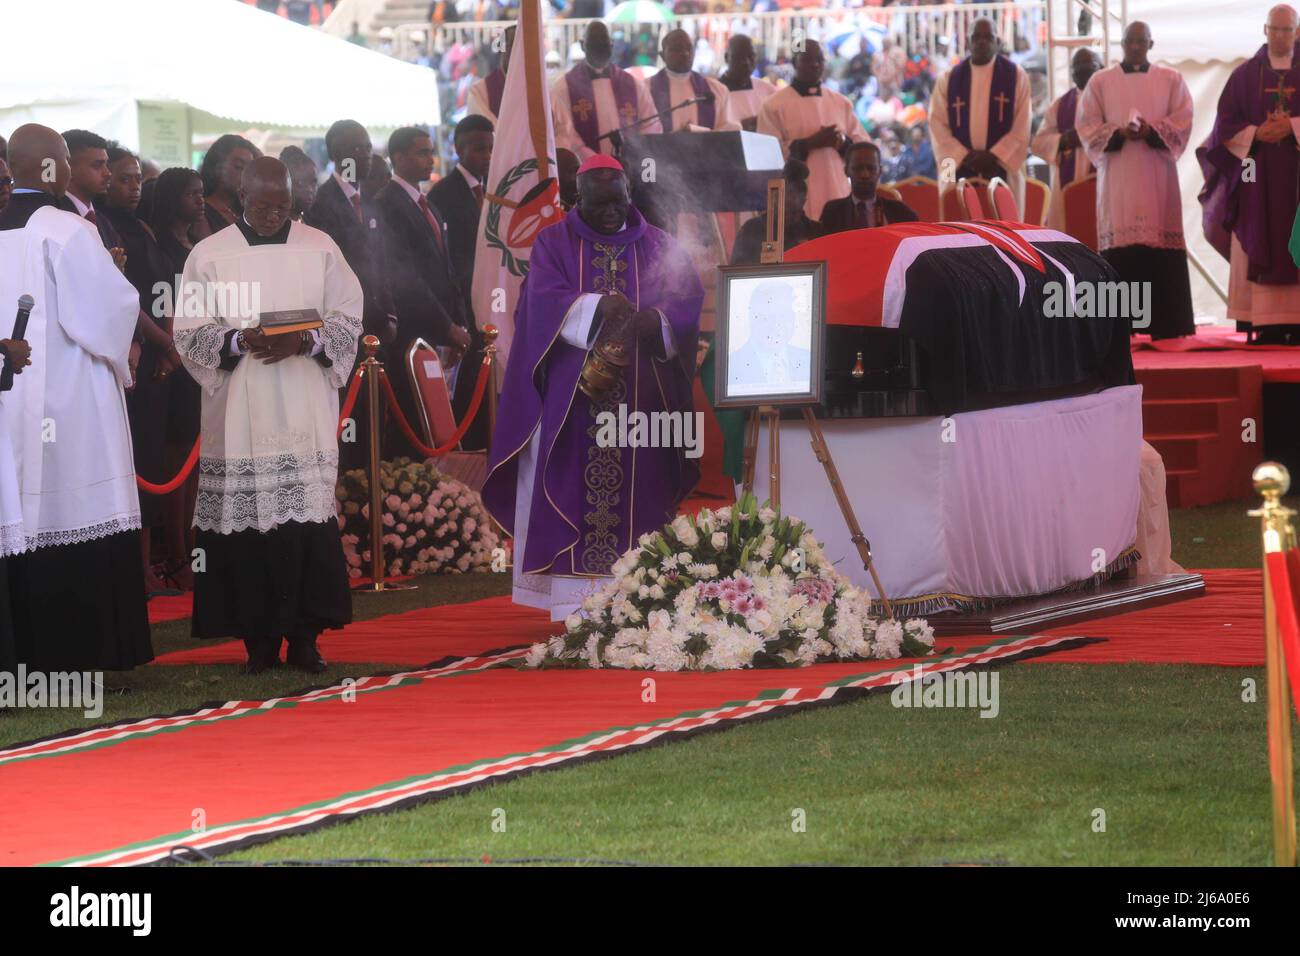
(677,83)
(1057,139)
(747,92)
(78,590)
(1134,122)
(979,116)
(596,97)
(484,97)
(13,540)
(1248,218)
(273,562)
(813,124)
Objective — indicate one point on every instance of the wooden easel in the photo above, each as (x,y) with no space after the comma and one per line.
(773,252)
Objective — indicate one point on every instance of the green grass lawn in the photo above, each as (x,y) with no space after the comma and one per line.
(1171,754)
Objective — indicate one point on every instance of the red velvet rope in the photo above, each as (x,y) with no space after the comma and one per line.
(479,388)
(1284,581)
(349,402)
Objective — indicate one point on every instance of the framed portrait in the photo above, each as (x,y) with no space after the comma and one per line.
(771,323)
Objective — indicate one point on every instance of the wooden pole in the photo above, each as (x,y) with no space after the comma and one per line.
(372,368)
(774,457)
(823,454)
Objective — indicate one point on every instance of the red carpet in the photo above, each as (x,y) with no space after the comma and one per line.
(127,793)
(170,607)
(1224,627)
(1217,347)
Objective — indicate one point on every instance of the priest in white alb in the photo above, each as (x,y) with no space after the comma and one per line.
(1134,123)
(78,590)
(273,566)
(595,97)
(1057,139)
(813,124)
(979,116)
(747,92)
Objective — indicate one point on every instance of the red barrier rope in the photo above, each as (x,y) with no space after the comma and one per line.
(176,482)
(479,388)
(1284,579)
(349,402)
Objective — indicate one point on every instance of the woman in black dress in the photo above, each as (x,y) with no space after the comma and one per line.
(146,403)
(178,222)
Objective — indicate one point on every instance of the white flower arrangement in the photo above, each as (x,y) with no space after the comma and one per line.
(732,588)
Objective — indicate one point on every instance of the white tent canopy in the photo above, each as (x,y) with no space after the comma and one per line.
(205,65)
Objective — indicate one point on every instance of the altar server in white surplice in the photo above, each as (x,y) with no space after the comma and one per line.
(813,124)
(979,115)
(1134,123)
(265,514)
(78,591)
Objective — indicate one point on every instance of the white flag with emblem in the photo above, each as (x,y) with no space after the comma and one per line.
(522,191)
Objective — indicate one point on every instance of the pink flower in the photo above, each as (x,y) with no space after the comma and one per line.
(392,502)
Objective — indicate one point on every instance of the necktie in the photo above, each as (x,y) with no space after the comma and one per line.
(356,205)
(90,217)
(433,224)
(860,219)
(477,189)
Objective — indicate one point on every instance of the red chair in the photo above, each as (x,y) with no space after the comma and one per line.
(1079,200)
(970,193)
(1038,198)
(437,420)
(1002,201)
(953,210)
(922,194)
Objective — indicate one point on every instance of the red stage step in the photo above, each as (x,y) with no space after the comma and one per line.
(1193,416)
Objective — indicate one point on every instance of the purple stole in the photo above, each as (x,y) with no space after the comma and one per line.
(660,86)
(1065,121)
(1002,101)
(496,85)
(1260,212)
(582,101)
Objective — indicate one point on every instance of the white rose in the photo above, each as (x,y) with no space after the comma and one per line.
(657,593)
(718,540)
(681,525)
(573,622)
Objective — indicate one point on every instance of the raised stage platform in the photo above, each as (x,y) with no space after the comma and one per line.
(1197,392)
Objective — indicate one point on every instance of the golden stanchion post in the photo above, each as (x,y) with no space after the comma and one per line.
(774,456)
(490,333)
(372,368)
(1272,481)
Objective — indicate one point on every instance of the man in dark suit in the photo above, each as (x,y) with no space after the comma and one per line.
(337,211)
(417,263)
(88,154)
(862,208)
(458,198)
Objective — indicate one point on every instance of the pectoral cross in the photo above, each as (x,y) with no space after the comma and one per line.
(1002,100)
(628,112)
(957,105)
(1283,94)
(583,108)
(609,264)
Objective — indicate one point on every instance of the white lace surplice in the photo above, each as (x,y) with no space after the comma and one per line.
(269,451)
(66,414)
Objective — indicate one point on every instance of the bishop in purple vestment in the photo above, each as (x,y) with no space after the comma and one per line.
(574,504)
(1251,164)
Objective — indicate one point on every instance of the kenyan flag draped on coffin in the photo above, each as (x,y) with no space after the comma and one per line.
(987,302)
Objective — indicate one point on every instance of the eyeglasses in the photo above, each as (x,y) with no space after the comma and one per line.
(6,181)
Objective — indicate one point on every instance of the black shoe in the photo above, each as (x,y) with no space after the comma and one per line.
(262,656)
(304,656)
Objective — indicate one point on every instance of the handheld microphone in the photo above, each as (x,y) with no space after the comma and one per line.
(25,305)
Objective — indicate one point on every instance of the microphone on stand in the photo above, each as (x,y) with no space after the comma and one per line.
(25,305)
